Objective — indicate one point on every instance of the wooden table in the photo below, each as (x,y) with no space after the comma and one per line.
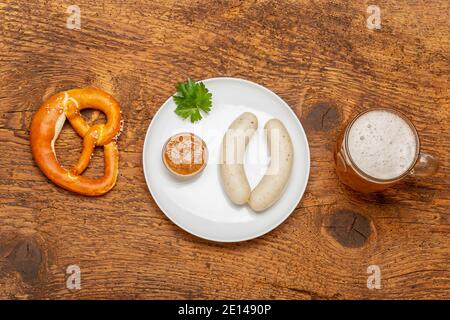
(317,55)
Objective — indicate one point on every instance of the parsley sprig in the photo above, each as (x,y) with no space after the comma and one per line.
(191,98)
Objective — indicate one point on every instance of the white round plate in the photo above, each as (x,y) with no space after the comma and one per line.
(200,205)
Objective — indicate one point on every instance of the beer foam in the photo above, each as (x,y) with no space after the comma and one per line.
(382,144)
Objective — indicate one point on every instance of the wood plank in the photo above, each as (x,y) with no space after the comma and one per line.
(317,55)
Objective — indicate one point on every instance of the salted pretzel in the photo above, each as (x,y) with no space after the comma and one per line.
(46,127)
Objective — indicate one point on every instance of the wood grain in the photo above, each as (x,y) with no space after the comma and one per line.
(317,55)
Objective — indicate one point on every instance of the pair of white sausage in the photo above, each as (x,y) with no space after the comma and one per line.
(272,185)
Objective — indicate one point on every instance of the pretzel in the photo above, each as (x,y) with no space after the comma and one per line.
(46,127)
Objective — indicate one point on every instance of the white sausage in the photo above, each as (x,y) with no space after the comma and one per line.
(272,185)
(234,144)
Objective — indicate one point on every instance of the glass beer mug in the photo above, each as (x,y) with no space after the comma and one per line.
(378,149)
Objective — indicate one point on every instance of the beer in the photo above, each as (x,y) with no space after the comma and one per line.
(378,149)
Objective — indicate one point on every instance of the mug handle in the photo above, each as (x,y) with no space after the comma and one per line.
(426,165)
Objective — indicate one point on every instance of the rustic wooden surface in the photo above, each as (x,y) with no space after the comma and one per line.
(317,55)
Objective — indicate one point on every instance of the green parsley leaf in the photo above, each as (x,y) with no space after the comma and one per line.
(191,98)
